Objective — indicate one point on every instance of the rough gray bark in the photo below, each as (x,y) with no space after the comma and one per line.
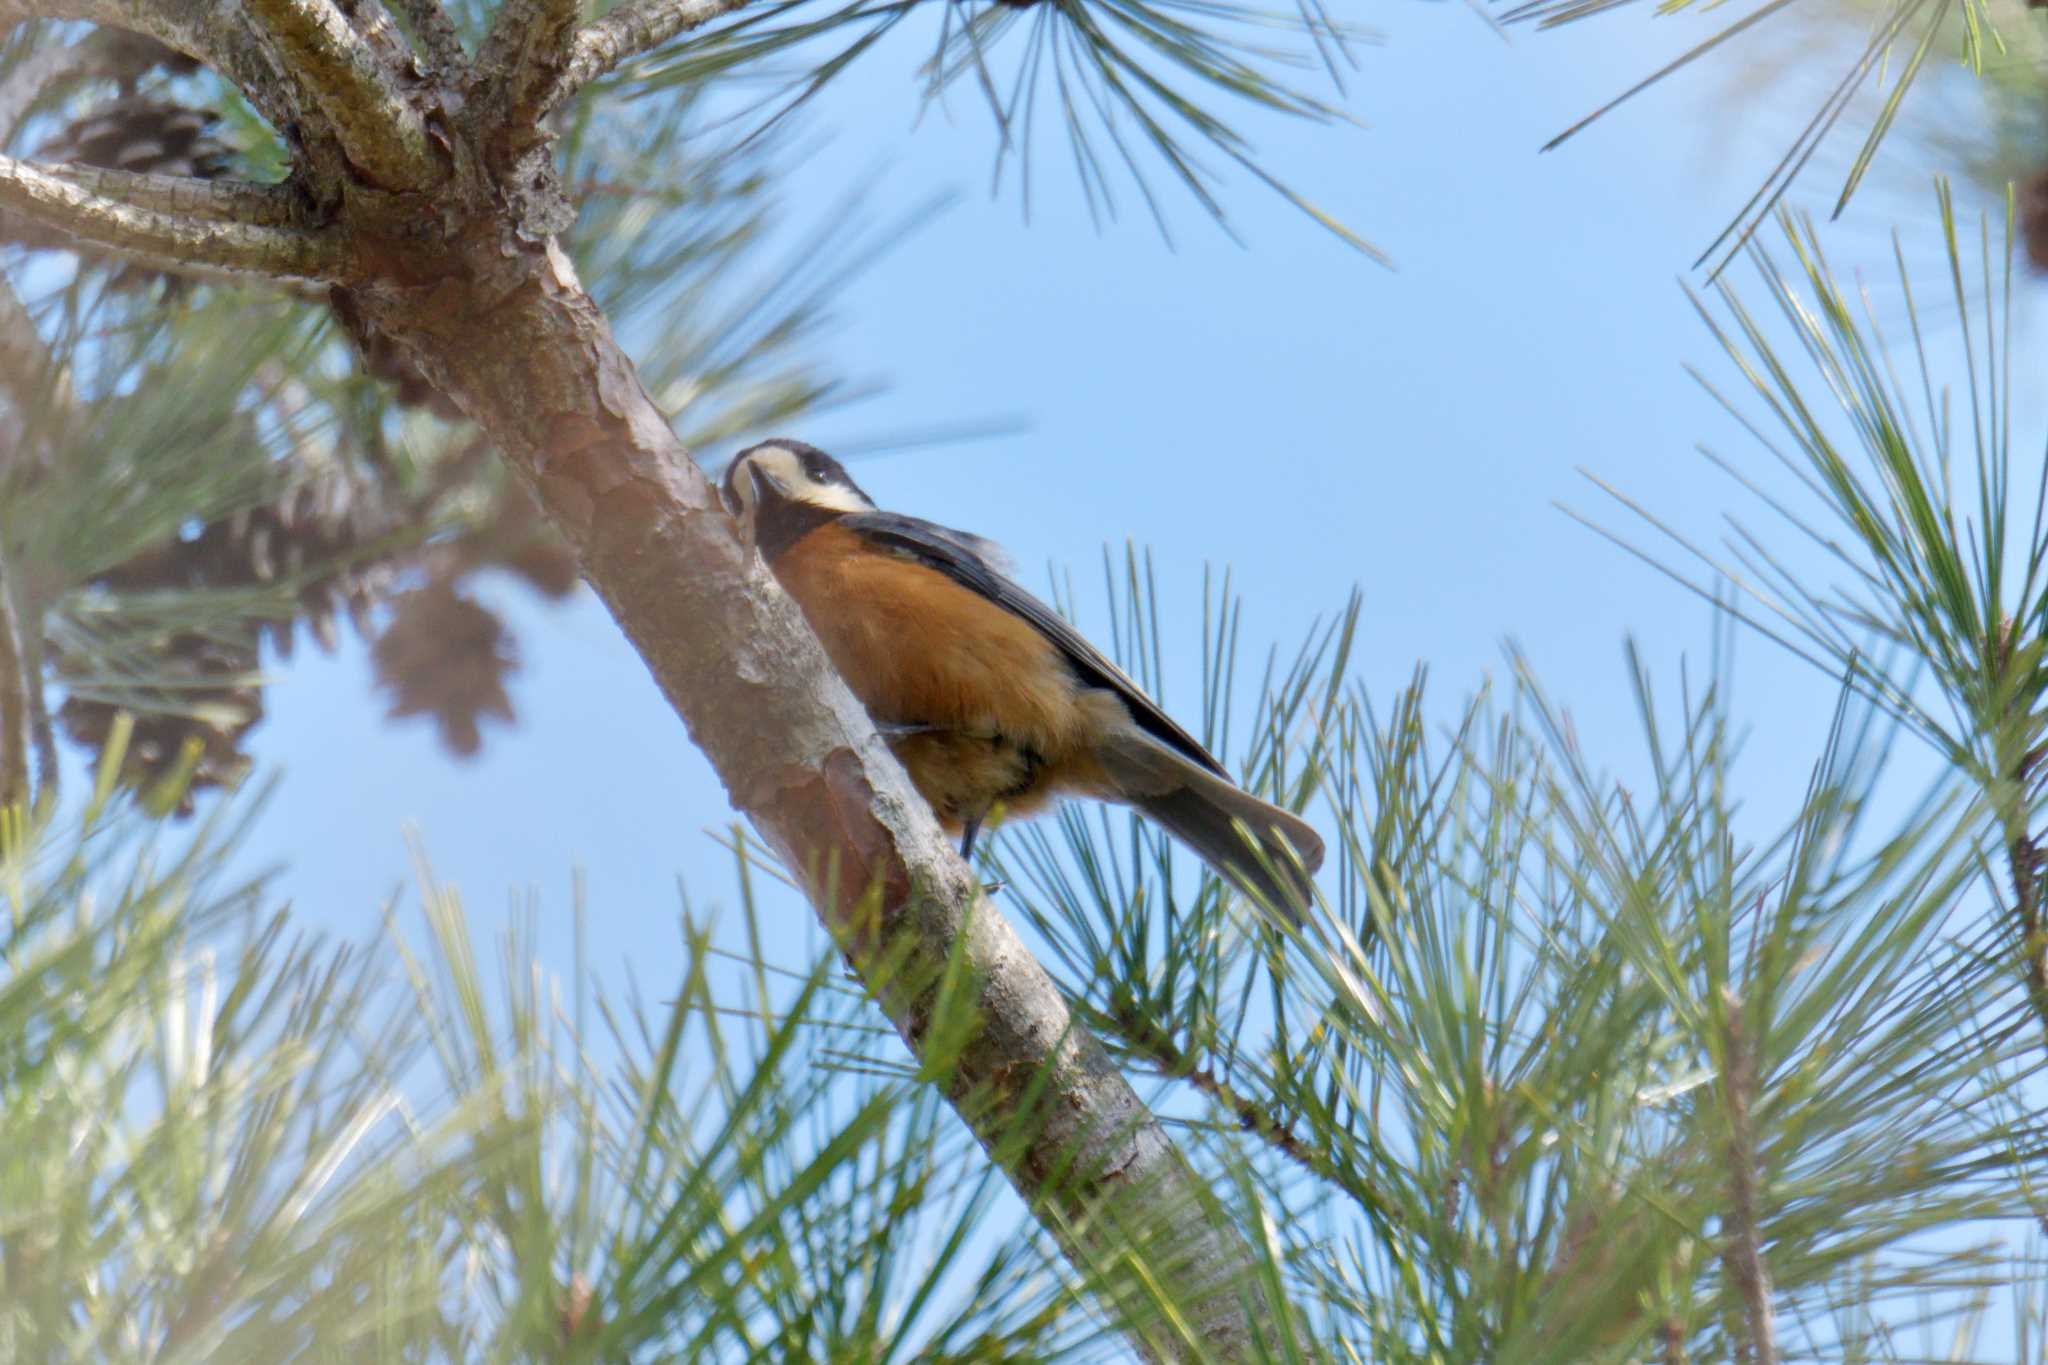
(217,201)
(136,228)
(381,134)
(469,279)
(633,27)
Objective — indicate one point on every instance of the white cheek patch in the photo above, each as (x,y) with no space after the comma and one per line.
(786,469)
(837,498)
(782,466)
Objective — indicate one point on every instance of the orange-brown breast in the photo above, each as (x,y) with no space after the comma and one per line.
(1009,719)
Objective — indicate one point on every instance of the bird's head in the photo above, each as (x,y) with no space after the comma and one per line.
(782,487)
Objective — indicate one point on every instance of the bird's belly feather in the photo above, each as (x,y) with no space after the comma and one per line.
(1006,718)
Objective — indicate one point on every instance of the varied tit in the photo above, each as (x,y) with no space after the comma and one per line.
(987,697)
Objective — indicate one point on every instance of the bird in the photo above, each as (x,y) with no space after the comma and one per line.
(994,703)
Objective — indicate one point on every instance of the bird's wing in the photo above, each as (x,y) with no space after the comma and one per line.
(958,556)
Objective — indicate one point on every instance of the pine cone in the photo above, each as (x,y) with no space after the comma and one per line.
(446,656)
(146,135)
(318,523)
(210,697)
(210,702)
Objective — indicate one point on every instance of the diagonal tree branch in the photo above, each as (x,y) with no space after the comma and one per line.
(629,29)
(382,135)
(515,339)
(167,239)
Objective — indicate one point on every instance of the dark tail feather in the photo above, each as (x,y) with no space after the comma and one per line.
(1267,853)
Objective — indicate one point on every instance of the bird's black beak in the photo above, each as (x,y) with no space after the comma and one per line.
(767,488)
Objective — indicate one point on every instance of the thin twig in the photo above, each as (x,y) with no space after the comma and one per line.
(1743,1253)
(2023,859)
(1153,1042)
(2023,864)
(165,239)
(434,35)
(383,136)
(628,30)
(16,725)
(32,379)
(44,734)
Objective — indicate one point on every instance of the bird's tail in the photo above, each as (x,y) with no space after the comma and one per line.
(1264,851)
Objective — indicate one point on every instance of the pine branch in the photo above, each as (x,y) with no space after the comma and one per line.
(1744,1250)
(382,135)
(2023,861)
(627,31)
(1251,1116)
(435,35)
(32,379)
(387,42)
(165,239)
(16,718)
(215,201)
(523,57)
